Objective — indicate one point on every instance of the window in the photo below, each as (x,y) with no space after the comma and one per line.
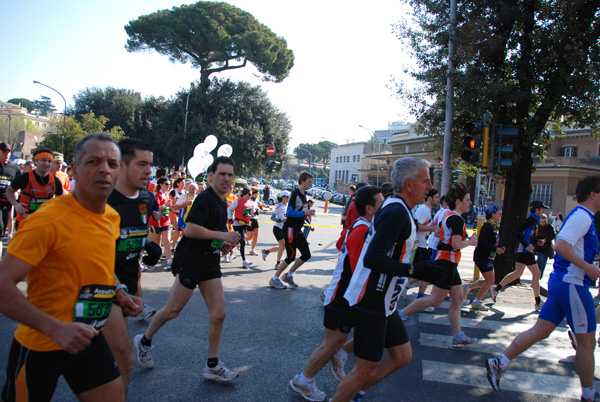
(568,152)
(358,158)
(542,192)
(353,158)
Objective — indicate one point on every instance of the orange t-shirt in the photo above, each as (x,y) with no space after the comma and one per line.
(72,251)
(64,180)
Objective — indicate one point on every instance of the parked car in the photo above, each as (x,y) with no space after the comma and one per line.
(272,197)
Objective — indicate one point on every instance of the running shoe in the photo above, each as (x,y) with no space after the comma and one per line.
(264,253)
(143,268)
(466,291)
(277,266)
(147,312)
(494,372)
(169,263)
(143,353)
(336,366)
(572,338)
(246,263)
(226,258)
(595,398)
(493,293)
(429,309)
(252,252)
(232,257)
(465,303)
(276,283)
(308,391)
(219,373)
(465,340)
(359,397)
(478,305)
(289,280)
(538,306)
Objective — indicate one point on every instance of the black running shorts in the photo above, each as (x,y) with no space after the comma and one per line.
(337,320)
(33,375)
(526,258)
(452,275)
(191,276)
(373,333)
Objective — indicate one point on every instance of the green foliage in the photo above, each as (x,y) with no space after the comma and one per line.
(532,63)
(214,37)
(121,107)
(75,131)
(26,103)
(44,106)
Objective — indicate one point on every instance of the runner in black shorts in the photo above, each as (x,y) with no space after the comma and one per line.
(338,319)
(526,252)
(61,322)
(453,238)
(297,211)
(378,278)
(197,263)
(134,205)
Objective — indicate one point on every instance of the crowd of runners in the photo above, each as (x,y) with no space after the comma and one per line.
(96,227)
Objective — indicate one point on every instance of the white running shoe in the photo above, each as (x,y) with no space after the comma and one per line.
(246,263)
(429,309)
(219,373)
(308,391)
(265,253)
(465,340)
(252,252)
(143,353)
(336,366)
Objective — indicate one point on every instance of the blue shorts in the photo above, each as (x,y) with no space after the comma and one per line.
(571,301)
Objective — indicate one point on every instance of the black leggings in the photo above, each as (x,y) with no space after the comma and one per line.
(242,231)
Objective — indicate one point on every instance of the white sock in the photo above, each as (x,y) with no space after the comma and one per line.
(302,379)
(504,362)
(588,393)
(342,354)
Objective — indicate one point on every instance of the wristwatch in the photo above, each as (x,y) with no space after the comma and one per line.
(122,286)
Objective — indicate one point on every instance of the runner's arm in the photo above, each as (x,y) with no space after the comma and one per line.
(71,336)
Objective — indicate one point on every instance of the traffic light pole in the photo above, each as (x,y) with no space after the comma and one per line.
(486,142)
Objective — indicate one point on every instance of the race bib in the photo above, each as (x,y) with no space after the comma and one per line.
(216,243)
(93,305)
(132,240)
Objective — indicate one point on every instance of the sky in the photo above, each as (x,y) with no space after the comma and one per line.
(345,57)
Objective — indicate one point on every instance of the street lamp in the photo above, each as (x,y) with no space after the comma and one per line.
(378,151)
(311,158)
(64,100)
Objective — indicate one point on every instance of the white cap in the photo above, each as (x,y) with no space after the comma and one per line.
(284,193)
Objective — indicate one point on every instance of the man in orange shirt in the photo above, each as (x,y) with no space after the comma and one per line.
(56,170)
(71,286)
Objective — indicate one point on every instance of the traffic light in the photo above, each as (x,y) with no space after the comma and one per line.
(439,175)
(454,177)
(271,165)
(472,143)
(503,153)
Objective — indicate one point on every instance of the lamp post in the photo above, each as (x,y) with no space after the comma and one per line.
(378,150)
(310,161)
(64,100)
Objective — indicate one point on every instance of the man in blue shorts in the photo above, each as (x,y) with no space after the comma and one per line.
(568,292)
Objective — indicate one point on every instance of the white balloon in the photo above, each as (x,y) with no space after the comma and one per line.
(195,166)
(225,150)
(211,142)
(203,165)
(209,160)
(200,150)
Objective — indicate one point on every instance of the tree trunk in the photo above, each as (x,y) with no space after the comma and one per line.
(515,208)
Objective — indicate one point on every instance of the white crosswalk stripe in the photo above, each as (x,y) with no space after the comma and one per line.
(501,325)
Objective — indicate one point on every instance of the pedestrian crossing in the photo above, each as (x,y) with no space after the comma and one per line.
(552,372)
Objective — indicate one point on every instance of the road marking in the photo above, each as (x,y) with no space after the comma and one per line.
(512,380)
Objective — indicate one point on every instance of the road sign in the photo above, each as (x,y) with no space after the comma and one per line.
(271,151)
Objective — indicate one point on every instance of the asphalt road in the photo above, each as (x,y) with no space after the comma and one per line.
(269,335)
